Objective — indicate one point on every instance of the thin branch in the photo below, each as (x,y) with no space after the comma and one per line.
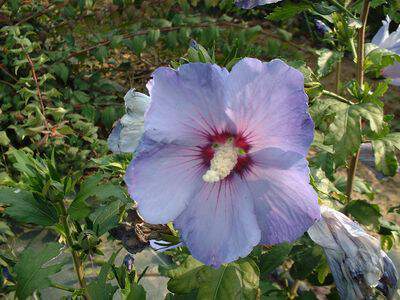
(294,289)
(338,75)
(8,83)
(36,15)
(131,35)
(62,287)
(38,92)
(336,96)
(3,68)
(202,25)
(351,171)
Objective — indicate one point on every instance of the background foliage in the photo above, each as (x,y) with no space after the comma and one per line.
(64,69)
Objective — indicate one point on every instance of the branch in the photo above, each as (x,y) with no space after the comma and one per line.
(351,171)
(3,68)
(202,25)
(38,92)
(37,14)
(336,96)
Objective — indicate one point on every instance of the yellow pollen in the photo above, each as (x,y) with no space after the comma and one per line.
(223,162)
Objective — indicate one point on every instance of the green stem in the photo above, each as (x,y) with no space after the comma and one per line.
(337,78)
(341,7)
(75,255)
(351,171)
(353,49)
(336,96)
(294,288)
(62,287)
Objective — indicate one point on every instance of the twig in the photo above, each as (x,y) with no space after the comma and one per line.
(202,25)
(131,35)
(35,15)
(62,287)
(336,96)
(273,35)
(38,92)
(294,288)
(337,78)
(351,171)
(7,83)
(3,68)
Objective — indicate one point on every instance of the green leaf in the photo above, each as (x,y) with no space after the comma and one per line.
(61,71)
(384,152)
(79,208)
(237,280)
(274,258)
(372,113)
(287,11)
(81,97)
(30,270)
(23,207)
(305,261)
(364,212)
(101,53)
(106,217)
(92,187)
(327,59)
(183,277)
(234,280)
(137,44)
(272,291)
(4,140)
(153,36)
(345,131)
(137,292)
(360,186)
(99,289)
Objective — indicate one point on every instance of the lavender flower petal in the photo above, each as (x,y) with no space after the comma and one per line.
(186,103)
(163,180)
(390,42)
(268,102)
(220,224)
(285,203)
(247,4)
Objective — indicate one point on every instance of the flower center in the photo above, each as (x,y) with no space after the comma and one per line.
(224,161)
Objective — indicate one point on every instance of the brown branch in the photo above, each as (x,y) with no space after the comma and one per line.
(351,171)
(131,35)
(270,33)
(3,68)
(8,83)
(37,14)
(202,25)
(38,92)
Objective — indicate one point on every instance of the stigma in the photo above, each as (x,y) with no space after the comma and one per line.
(224,161)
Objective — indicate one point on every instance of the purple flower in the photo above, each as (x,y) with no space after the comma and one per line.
(391,42)
(321,27)
(247,4)
(224,156)
(129,262)
(356,260)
